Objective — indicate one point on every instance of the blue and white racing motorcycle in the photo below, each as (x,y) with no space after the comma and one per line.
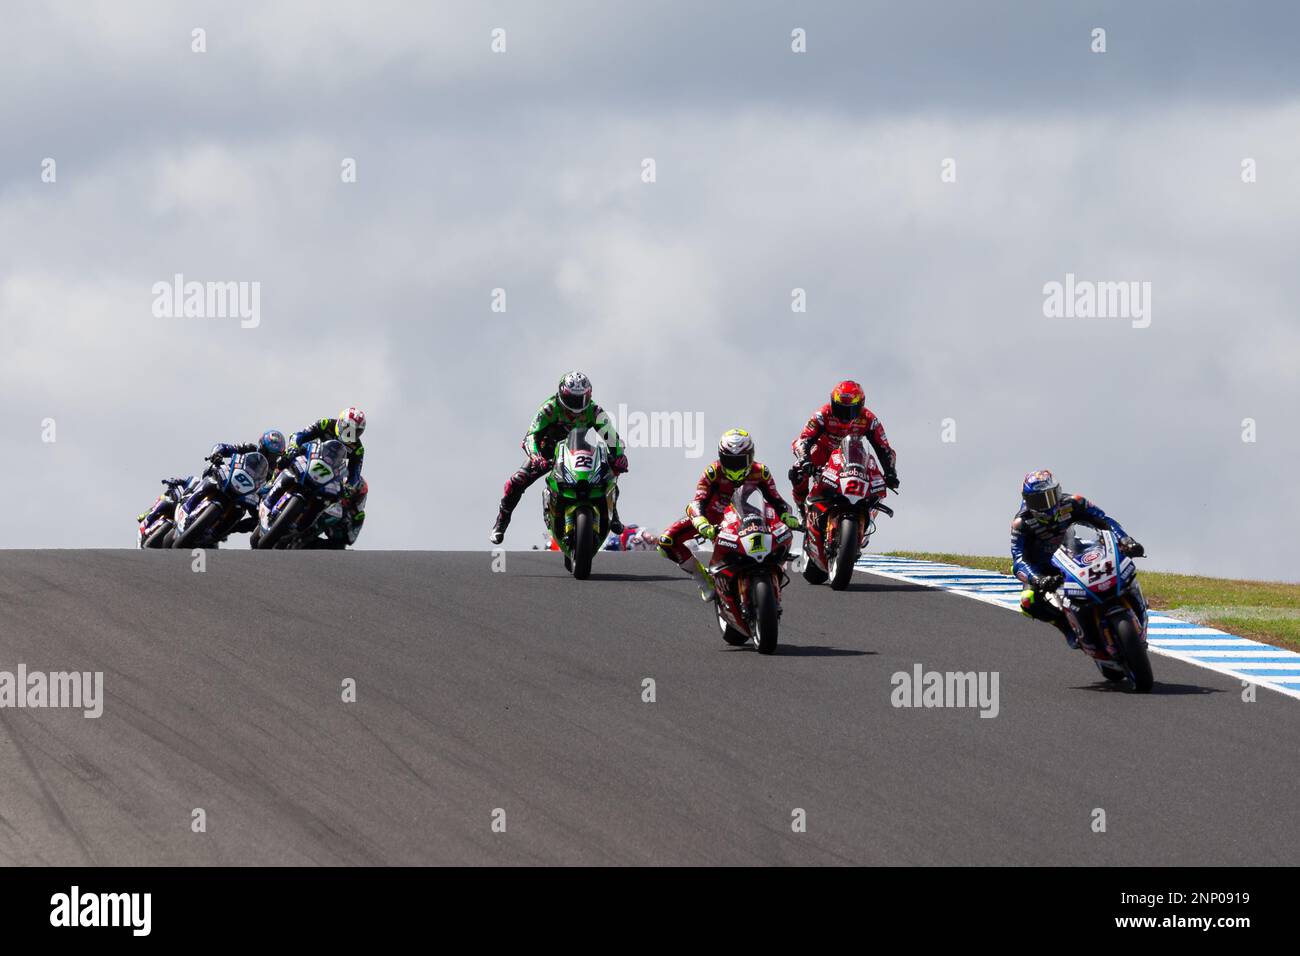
(309,488)
(227,492)
(1103,603)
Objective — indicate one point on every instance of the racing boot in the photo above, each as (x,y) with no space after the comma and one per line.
(499,527)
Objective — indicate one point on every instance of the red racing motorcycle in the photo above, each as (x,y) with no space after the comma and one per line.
(748,570)
(840,513)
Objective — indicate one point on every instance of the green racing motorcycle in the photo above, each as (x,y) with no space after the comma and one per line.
(580,492)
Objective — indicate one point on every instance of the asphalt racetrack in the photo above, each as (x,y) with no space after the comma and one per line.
(517,697)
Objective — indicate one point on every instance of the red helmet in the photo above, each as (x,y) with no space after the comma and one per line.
(847,400)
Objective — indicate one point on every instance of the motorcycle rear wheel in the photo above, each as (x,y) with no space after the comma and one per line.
(811,572)
(1111,674)
(730,634)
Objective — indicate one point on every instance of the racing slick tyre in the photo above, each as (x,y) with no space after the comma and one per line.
(584,543)
(1135,656)
(198,526)
(846,554)
(766,617)
(280,527)
(730,634)
(158,537)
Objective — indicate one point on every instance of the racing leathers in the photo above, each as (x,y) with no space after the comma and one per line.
(550,426)
(713,493)
(823,434)
(1034,539)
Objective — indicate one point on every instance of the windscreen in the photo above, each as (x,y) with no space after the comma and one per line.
(579,440)
(854,450)
(750,506)
(1081,538)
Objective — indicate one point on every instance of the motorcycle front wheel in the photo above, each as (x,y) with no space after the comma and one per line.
(283,522)
(1135,656)
(846,554)
(198,526)
(158,537)
(584,543)
(763,600)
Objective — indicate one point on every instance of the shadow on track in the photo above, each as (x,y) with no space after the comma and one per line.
(864,586)
(1167,690)
(805,650)
(618,576)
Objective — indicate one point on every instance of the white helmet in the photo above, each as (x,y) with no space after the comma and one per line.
(736,453)
(574,392)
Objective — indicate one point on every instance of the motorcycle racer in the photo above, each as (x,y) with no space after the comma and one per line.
(271,444)
(175,491)
(632,538)
(1037,531)
(845,414)
(734,468)
(347,428)
(569,408)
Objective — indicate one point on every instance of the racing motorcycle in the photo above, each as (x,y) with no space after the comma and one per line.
(160,530)
(580,492)
(220,499)
(748,571)
(1103,603)
(307,489)
(840,513)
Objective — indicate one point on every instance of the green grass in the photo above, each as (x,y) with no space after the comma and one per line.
(1262,610)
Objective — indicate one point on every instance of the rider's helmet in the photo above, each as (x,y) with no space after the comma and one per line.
(1042,493)
(574,392)
(272,444)
(349,426)
(736,453)
(334,453)
(847,400)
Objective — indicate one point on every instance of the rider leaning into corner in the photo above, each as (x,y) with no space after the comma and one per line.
(735,468)
(569,408)
(845,414)
(1037,531)
(348,428)
(271,445)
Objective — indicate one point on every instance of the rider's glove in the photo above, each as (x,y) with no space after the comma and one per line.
(539,462)
(1131,548)
(795,473)
(216,458)
(619,464)
(1046,582)
(891,481)
(705,528)
(791,521)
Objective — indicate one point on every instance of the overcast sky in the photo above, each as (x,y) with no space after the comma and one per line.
(775,170)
